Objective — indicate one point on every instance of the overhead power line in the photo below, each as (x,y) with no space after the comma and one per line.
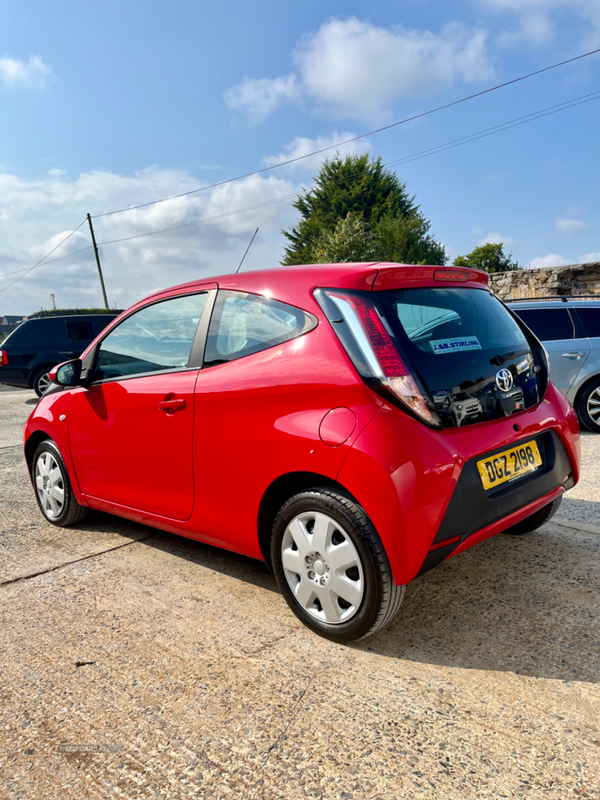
(354,138)
(46,263)
(544,112)
(39,263)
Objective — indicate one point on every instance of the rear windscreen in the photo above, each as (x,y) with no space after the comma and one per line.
(467,350)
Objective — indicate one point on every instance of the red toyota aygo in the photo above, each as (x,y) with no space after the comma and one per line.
(353,425)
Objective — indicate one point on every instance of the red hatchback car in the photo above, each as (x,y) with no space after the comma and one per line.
(352,425)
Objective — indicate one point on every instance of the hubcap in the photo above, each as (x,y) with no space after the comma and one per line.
(593,406)
(322,567)
(44,383)
(50,485)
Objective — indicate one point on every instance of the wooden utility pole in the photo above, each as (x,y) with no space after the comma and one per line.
(106,306)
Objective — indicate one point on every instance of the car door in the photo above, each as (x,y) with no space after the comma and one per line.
(131,427)
(70,338)
(589,316)
(566,344)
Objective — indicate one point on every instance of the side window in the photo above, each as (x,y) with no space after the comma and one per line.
(80,331)
(548,324)
(248,323)
(33,332)
(155,338)
(591,320)
(100,323)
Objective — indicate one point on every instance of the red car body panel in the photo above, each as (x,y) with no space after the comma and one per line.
(128,451)
(298,407)
(404,474)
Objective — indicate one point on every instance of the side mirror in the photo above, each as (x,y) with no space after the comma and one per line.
(66,374)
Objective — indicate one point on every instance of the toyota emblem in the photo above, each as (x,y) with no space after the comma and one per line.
(504,380)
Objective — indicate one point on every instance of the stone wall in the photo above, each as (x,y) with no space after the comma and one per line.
(576,279)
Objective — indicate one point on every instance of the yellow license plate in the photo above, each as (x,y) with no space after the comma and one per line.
(509,465)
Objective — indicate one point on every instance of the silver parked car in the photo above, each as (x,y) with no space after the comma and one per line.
(569,327)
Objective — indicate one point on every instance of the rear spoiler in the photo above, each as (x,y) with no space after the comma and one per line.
(399,277)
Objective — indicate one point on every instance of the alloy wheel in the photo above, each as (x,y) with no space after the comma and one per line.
(43,383)
(322,567)
(50,485)
(593,406)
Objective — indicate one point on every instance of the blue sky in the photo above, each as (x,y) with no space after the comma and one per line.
(110,105)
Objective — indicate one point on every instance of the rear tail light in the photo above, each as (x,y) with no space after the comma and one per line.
(370,344)
(3,358)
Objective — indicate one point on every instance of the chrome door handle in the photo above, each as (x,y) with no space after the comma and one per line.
(573,355)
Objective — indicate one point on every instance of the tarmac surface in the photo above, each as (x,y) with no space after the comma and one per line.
(137,664)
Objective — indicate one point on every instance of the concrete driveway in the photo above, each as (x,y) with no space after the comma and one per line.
(136,664)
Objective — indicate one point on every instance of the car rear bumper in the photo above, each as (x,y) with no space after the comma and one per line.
(422,490)
(473,511)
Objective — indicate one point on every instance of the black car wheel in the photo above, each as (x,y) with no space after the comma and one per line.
(52,486)
(588,407)
(331,566)
(535,521)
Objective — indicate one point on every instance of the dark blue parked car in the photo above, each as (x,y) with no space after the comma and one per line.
(37,345)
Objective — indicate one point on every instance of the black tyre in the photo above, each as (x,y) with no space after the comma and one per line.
(588,407)
(41,382)
(535,521)
(331,566)
(52,487)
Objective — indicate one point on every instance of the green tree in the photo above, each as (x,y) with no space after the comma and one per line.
(407,240)
(392,227)
(350,240)
(490,257)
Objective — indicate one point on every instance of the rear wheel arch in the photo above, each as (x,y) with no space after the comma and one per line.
(37,369)
(279,492)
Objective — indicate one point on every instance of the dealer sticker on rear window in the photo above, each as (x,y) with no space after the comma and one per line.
(455,345)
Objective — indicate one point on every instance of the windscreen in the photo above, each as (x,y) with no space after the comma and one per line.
(467,350)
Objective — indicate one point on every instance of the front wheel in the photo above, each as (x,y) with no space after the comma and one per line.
(52,486)
(331,566)
(535,521)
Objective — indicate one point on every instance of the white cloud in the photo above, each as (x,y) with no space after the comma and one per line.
(32,74)
(570,225)
(302,145)
(259,96)
(551,260)
(353,69)
(36,215)
(496,238)
(542,21)
(589,257)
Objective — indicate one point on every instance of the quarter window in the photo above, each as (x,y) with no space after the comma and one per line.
(245,323)
(591,320)
(158,337)
(80,331)
(548,324)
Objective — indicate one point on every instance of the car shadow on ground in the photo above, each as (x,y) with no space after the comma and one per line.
(525,604)
(231,564)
